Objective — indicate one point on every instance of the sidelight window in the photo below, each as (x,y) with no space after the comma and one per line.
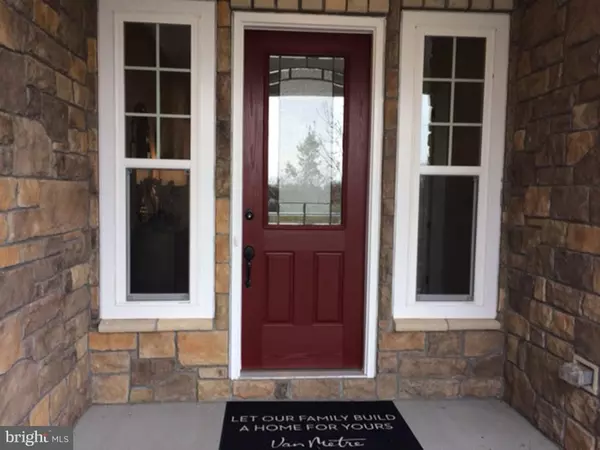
(157,89)
(450,158)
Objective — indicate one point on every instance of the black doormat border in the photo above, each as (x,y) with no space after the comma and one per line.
(268,425)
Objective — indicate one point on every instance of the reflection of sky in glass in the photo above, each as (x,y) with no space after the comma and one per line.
(425,121)
(290,117)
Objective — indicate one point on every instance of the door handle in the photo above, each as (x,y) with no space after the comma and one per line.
(248,257)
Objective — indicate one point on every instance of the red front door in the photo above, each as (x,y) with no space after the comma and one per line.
(306,159)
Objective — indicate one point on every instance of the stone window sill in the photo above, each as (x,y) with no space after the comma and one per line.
(446,324)
(148,325)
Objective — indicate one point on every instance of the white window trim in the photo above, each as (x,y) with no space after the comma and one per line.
(112,162)
(415,25)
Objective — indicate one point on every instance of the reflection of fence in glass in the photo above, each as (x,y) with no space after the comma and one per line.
(304,213)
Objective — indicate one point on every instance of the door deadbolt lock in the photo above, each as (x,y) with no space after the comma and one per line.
(249,215)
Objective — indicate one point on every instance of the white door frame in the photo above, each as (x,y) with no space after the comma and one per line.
(322,23)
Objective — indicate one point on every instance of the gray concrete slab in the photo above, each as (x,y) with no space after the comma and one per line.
(439,425)
(471,425)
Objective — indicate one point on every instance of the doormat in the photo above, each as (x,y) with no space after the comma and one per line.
(318,425)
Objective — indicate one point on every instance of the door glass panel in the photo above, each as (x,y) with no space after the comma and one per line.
(306,128)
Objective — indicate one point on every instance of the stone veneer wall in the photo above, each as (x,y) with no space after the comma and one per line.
(551,234)
(48,208)
(189,365)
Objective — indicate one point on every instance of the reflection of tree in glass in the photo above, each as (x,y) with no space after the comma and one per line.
(330,148)
(307,170)
(319,154)
(308,189)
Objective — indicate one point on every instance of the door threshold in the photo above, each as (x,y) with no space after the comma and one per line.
(300,374)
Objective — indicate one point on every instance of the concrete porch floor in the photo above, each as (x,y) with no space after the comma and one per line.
(439,425)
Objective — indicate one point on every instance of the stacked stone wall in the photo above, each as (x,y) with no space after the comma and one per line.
(551,222)
(48,208)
